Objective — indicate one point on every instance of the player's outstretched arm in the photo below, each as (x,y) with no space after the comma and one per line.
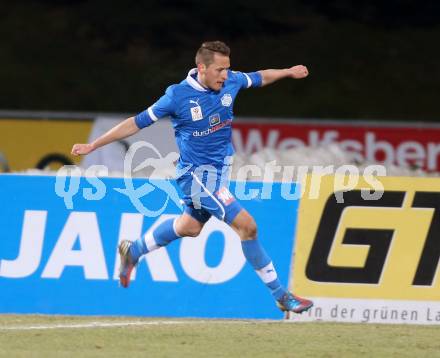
(124,129)
(271,76)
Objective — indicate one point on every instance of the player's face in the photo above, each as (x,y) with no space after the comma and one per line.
(214,75)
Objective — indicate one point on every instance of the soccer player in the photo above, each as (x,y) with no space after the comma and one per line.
(201,110)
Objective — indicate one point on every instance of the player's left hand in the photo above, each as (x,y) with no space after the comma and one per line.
(81,149)
(298,72)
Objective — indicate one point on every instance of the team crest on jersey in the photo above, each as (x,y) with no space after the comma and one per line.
(196,113)
(225,196)
(226,100)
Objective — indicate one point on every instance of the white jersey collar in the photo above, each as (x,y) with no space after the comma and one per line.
(193,82)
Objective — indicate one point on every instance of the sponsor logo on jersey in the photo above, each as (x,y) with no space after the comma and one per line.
(214,119)
(212,129)
(226,100)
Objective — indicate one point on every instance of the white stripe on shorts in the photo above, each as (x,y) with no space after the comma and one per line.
(211,195)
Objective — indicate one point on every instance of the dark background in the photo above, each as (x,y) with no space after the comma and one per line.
(367,59)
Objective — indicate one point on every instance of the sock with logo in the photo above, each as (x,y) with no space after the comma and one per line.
(161,236)
(263,266)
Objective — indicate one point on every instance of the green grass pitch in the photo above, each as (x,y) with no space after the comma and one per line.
(65,336)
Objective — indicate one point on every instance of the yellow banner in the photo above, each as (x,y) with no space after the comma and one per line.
(387,248)
(29,143)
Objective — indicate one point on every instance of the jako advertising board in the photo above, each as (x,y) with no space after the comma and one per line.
(58,251)
(365,257)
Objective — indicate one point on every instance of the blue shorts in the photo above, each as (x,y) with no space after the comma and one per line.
(206,193)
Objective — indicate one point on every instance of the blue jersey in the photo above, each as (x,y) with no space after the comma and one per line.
(202,118)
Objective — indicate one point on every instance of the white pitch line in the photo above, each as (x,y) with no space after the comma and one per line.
(111,324)
(93,325)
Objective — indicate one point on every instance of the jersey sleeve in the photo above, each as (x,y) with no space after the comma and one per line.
(164,107)
(250,79)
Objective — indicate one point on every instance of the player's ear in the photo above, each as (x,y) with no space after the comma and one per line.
(201,67)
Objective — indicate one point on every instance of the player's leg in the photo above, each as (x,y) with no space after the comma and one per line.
(165,233)
(190,223)
(170,230)
(244,224)
(223,205)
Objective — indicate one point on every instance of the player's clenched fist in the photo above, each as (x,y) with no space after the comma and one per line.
(299,71)
(81,149)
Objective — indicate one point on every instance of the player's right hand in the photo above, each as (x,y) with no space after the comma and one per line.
(298,72)
(81,149)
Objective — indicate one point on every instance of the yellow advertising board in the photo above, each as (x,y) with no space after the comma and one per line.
(39,143)
(387,248)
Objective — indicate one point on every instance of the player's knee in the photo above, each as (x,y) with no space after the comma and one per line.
(249,230)
(193,232)
(245,226)
(252,230)
(186,226)
(190,231)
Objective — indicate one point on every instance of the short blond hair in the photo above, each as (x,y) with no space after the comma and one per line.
(205,54)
